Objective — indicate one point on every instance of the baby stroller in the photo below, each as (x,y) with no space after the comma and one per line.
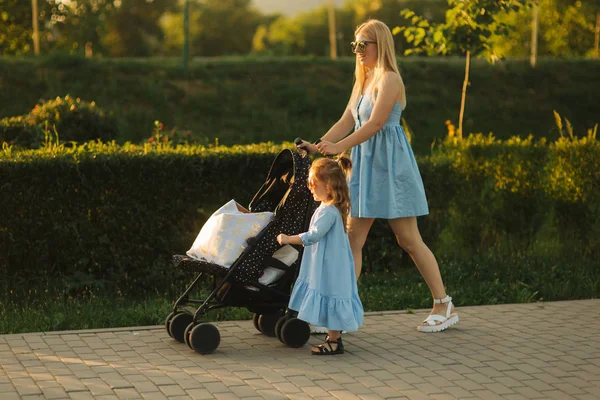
(285,193)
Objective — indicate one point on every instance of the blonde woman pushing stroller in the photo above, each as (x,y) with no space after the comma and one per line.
(385,182)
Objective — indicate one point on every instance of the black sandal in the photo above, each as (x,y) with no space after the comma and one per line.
(326,349)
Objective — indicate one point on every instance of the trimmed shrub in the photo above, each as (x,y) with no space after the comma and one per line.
(104,214)
(521,194)
(74,120)
(64,119)
(109,215)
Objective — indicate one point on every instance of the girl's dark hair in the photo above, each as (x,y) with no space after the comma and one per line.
(334,174)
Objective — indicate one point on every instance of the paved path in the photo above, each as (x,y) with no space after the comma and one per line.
(541,350)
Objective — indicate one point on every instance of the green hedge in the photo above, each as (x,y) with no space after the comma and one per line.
(110,213)
(522,194)
(254,100)
(104,214)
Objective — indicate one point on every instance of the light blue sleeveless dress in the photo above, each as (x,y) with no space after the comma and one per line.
(385,181)
(325,292)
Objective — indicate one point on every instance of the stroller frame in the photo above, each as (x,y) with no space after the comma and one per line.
(184,322)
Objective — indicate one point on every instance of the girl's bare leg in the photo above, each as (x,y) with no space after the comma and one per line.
(409,238)
(357,233)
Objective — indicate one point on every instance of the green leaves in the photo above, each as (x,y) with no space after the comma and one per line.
(468,27)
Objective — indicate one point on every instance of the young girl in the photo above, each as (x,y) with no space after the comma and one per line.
(325,293)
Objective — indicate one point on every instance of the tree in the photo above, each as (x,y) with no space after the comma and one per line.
(259,41)
(566,29)
(216,28)
(595,4)
(332,31)
(223,27)
(307,33)
(286,37)
(467,30)
(16,29)
(364,9)
(133,27)
(387,11)
(85,25)
(171,24)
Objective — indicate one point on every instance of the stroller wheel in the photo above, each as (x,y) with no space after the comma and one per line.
(168,322)
(205,338)
(178,325)
(278,327)
(255,318)
(266,323)
(186,334)
(295,332)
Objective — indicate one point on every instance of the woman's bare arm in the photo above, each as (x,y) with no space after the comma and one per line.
(340,129)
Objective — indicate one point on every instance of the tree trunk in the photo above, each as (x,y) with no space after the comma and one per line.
(332,35)
(534,35)
(36,31)
(186,36)
(464,96)
(597,35)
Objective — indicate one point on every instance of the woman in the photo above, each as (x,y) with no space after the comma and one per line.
(386,182)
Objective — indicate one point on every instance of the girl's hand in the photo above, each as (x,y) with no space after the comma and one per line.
(328,148)
(282,239)
(308,147)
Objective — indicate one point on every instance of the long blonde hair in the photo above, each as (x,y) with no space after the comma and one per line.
(379,32)
(334,173)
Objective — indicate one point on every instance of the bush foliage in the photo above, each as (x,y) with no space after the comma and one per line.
(70,119)
(106,215)
(276,99)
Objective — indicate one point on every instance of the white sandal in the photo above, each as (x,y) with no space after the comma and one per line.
(438,323)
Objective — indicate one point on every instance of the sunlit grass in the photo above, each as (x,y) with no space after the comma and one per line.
(61,311)
(481,280)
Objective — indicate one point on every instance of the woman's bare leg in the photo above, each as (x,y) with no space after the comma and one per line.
(409,238)
(357,233)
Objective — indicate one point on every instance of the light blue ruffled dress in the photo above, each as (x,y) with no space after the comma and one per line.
(325,292)
(385,182)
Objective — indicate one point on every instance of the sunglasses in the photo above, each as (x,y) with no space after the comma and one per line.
(361,46)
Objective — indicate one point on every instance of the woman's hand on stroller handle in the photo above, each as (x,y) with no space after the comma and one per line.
(303,145)
(329,149)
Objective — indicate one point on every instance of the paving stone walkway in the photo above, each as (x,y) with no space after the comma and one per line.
(517,351)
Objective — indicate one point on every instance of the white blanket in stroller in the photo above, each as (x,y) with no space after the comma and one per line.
(287,255)
(223,237)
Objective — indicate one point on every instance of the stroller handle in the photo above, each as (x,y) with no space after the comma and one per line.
(298,142)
